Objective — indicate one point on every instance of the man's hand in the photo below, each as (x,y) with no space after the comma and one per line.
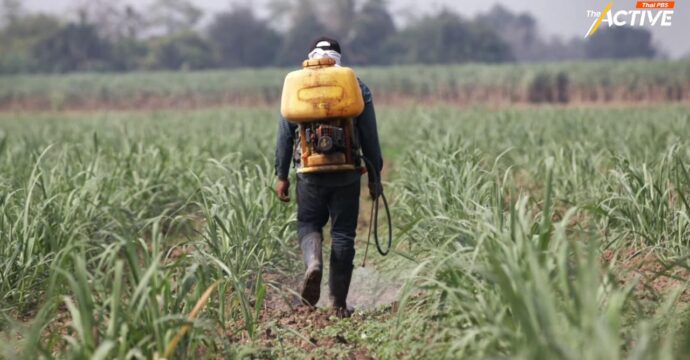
(375,190)
(282,187)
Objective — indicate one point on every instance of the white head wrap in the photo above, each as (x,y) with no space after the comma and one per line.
(319,53)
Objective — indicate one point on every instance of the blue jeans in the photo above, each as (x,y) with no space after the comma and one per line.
(316,204)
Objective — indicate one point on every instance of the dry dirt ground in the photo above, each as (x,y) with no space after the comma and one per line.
(652,278)
(486,97)
(290,329)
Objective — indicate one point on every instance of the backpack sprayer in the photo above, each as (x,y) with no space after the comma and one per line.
(323,99)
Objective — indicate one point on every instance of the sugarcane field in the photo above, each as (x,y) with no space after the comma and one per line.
(354,179)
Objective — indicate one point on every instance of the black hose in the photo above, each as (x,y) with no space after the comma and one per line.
(375,214)
(376,221)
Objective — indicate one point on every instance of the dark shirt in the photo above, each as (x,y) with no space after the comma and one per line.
(368,139)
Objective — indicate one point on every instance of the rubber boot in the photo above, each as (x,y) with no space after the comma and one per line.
(311,252)
(339,279)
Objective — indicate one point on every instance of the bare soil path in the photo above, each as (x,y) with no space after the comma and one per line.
(293,330)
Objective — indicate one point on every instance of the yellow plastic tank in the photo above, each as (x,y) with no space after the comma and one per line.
(321,91)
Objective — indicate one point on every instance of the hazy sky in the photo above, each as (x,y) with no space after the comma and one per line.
(564,18)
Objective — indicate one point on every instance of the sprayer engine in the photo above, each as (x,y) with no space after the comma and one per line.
(326,139)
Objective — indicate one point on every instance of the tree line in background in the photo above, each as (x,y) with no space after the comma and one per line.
(170,35)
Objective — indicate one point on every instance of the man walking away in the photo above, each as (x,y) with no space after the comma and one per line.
(329,195)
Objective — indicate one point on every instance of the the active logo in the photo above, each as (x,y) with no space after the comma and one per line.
(646,13)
